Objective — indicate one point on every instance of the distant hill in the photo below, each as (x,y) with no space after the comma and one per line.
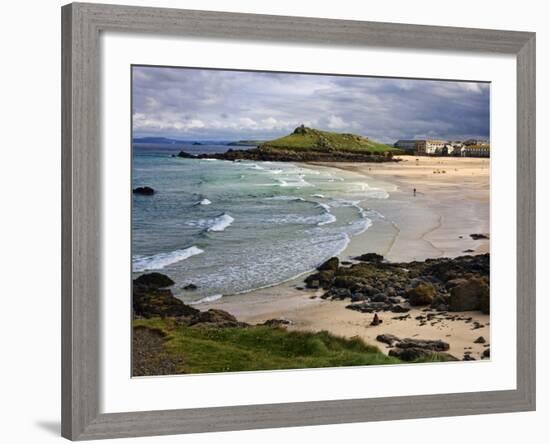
(304,138)
(246,143)
(310,145)
(158,140)
(167,141)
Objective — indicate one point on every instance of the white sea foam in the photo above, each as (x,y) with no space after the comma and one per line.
(330,218)
(326,207)
(205,202)
(206,299)
(254,166)
(318,195)
(291,198)
(161,260)
(296,183)
(220,223)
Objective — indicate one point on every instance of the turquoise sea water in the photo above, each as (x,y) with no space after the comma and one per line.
(231,227)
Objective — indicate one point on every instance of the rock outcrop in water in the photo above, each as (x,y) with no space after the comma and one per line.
(144,191)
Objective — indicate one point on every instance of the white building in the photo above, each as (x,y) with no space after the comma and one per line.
(476,151)
(430,146)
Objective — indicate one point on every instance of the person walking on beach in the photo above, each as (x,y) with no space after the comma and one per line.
(414,191)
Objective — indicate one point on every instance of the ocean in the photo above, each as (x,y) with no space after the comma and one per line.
(232,227)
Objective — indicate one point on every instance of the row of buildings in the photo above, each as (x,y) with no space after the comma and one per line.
(433,147)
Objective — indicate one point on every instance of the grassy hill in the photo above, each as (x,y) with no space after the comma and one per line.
(304,138)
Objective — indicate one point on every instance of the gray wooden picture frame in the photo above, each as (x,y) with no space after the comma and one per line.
(81,167)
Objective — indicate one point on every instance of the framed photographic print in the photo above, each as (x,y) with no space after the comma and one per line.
(278,221)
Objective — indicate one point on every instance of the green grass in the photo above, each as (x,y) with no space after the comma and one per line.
(208,350)
(327,141)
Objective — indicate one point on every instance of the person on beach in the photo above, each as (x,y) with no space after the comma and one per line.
(414,191)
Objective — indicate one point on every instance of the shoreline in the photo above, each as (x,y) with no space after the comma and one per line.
(437,222)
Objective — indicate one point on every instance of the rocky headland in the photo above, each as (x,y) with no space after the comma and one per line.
(309,145)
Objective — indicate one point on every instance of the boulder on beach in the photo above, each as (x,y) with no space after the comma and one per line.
(154,280)
(422,294)
(276,322)
(330,265)
(478,236)
(376,320)
(426,344)
(144,191)
(370,257)
(322,279)
(470,294)
(190,287)
(413,354)
(215,318)
(387,339)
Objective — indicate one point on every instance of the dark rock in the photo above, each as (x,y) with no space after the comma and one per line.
(468,357)
(346,263)
(349,282)
(369,307)
(469,250)
(276,322)
(185,155)
(330,265)
(322,279)
(423,294)
(144,191)
(190,287)
(399,309)
(387,339)
(154,280)
(413,354)
(376,320)
(357,296)
(339,293)
(480,340)
(426,283)
(425,344)
(148,302)
(379,297)
(215,318)
(477,236)
(486,353)
(472,294)
(370,257)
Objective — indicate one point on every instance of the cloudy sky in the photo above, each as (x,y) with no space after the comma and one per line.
(199,104)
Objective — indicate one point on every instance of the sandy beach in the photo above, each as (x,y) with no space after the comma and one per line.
(451,202)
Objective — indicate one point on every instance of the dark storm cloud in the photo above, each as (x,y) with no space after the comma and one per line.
(210,104)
